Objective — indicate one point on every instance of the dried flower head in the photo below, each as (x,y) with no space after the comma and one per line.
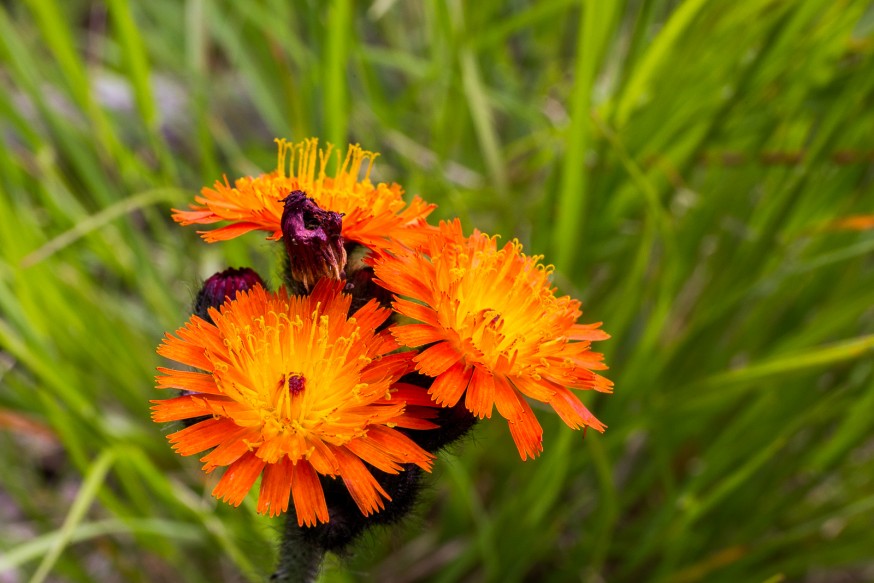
(312,240)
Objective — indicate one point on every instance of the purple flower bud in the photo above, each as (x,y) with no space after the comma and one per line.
(223,285)
(359,284)
(312,239)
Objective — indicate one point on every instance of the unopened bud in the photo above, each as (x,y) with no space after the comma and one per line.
(222,286)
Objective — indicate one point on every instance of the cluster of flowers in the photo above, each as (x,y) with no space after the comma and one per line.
(389,339)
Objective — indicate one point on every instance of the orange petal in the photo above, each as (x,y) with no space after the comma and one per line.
(201,436)
(203,217)
(587,332)
(414,422)
(229,451)
(527,433)
(309,497)
(275,488)
(196,382)
(417,334)
(507,400)
(435,360)
(393,366)
(448,387)
(323,459)
(238,479)
(229,232)
(538,390)
(386,449)
(400,446)
(373,454)
(185,407)
(397,280)
(589,360)
(416,311)
(362,486)
(325,291)
(184,352)
(371,315)
(480,393)
(411,395)
(573,412)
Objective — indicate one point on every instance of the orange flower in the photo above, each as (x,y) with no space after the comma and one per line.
(371,213)
(496,331)
(293,388)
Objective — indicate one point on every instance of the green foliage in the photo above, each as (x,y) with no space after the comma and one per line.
(681,162)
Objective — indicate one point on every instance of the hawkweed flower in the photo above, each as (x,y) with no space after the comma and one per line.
(495,331)
(294,388)
(372,214)
(310,390)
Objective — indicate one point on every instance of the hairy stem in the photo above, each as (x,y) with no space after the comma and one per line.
(299,559)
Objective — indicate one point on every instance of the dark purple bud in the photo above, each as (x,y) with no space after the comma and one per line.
(359,284)
(221,286)
(312,239)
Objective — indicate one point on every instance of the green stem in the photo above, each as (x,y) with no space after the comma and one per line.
(299,559)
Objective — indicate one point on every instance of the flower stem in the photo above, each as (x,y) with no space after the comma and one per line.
(299,559)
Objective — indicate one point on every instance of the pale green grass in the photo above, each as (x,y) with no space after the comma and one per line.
(679,162)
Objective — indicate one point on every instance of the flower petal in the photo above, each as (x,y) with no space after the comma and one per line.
(480,393)
(201,436)
(573,412)
(527,433)
(415,335)
(436,359)
(309,497)
(238,479)
(275,488)
(448,388)
(363,487)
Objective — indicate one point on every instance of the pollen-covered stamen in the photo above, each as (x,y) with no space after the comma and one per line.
(312,239)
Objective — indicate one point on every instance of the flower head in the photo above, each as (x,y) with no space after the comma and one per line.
(294,388)
(495,331)
(371,213)
(312,239)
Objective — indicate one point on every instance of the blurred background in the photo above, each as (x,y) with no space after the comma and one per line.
(701,173)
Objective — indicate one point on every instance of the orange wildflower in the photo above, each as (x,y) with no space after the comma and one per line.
(372,213)
(495,329)
(294,388)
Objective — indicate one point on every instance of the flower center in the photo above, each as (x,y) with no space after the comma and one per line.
(296,383)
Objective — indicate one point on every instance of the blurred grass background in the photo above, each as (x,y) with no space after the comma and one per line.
(685,164)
